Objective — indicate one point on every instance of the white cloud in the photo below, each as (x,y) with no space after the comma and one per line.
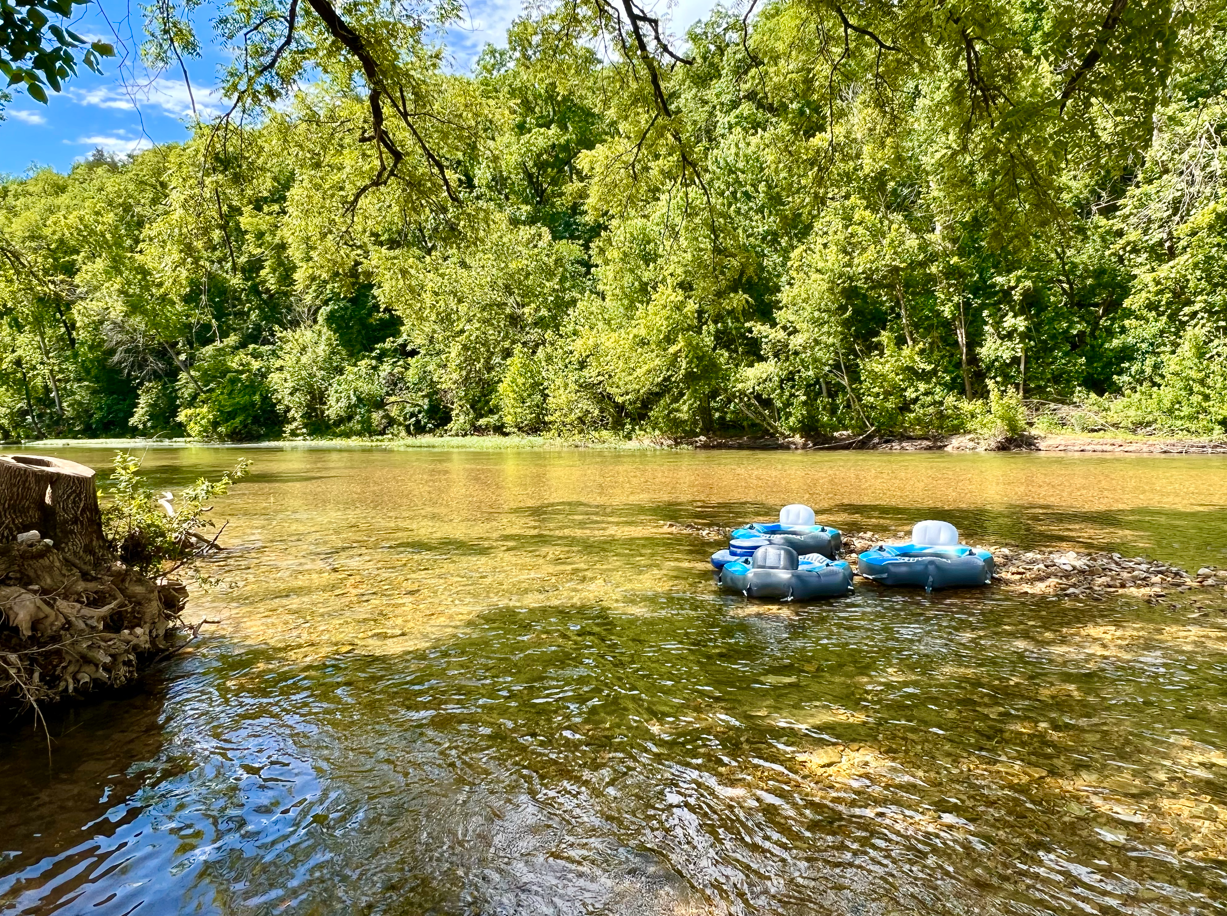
(170,96)
(27,117)
(487,21)
(117,143)
(481,22)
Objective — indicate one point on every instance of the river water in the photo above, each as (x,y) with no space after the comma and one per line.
(493,682)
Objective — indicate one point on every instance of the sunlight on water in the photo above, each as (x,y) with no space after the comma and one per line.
(494,682)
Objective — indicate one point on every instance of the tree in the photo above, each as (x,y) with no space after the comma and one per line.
(38,54)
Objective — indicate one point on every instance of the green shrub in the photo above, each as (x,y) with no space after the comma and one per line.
(156,408)
(140,531)
(306,363)
(1188,397)
(1003,420)
(227,396)
(903,393)
(355,401)
(521,394)
(415,400)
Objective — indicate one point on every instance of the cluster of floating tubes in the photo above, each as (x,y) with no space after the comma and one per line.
(796,559)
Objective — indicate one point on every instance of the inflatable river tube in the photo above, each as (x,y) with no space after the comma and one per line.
(776,572)
(795,529)
(804,539)
(934,559)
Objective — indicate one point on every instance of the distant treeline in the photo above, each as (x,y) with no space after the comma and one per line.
(802,228)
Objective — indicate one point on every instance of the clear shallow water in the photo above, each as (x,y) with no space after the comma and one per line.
(493,682)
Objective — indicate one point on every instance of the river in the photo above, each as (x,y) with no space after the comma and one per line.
(494,682)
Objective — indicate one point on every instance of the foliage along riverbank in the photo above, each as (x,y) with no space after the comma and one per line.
(1029,441)
(915,230)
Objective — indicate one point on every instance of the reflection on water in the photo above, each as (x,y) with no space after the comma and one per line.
(467,682)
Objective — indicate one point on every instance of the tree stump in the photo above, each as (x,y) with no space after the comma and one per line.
(59,499)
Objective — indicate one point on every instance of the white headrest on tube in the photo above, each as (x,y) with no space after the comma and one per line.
(797,515)
(935,534)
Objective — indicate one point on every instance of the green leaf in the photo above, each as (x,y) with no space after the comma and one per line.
(37,92)
(103,48)
(36,16)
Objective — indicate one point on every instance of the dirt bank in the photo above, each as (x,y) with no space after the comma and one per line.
(1036,442)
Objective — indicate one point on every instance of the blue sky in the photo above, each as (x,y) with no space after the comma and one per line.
(128,108)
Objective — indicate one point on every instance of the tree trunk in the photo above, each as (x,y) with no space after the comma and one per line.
(907,324)
(57,498)
(25,381)
(181,364)
(960,329)
(55,387)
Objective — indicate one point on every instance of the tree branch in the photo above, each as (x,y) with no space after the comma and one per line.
(848,24)
(1111,21)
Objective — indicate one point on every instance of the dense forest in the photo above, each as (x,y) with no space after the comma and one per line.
(905,218)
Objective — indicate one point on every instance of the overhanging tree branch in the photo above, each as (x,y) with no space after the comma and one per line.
(1110,22)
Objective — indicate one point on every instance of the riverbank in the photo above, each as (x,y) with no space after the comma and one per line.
(1030,442)
(1037,442)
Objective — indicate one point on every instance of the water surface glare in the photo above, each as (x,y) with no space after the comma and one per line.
(494,683)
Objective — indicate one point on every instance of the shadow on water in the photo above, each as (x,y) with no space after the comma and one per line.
(64,804)
(874,756)
(1030,526)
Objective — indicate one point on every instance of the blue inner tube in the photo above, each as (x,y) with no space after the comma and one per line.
(776,572)
(804,539)
(927,567)
(745,546)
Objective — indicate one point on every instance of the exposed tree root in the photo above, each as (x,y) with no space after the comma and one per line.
(63,633)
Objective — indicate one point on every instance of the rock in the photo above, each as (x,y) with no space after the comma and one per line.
(29,537)
(1205,571)
(822,757)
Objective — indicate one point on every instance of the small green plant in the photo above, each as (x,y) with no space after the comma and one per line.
(149,531)
(1005,421)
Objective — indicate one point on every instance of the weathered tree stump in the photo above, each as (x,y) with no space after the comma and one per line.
(59,499)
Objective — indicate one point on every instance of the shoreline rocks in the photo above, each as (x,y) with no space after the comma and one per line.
(1059,573)
(1031,441)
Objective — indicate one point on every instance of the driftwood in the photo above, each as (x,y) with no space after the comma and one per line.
(57,498)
